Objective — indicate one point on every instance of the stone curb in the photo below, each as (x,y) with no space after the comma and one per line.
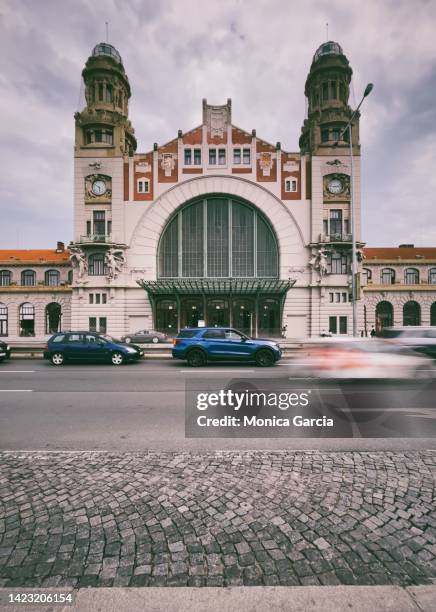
(242,599)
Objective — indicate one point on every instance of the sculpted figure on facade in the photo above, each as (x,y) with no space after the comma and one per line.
(114,261)
(318,261)
(78,261)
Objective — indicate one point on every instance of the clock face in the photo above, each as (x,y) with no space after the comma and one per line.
(98,187)
(335,186)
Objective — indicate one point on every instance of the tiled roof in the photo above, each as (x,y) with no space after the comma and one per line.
(35,256)
(396,253)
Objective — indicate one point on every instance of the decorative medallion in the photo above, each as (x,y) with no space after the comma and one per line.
(167,162)
(98,187)
(265,162)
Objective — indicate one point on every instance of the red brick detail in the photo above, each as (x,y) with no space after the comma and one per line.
(240,137)
(126,181)
(241,170)
(308,180)
(291,195)
(194,137)
(264,147)
(192,171)
(217,140)
(171,147)
(140,172)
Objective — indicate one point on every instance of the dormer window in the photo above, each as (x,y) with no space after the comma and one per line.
(143,185)
(291,185)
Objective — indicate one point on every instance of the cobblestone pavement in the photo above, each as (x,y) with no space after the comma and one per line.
(222,518)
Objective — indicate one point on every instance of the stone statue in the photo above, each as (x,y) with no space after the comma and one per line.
(318,261)
(114,261)
(78,261)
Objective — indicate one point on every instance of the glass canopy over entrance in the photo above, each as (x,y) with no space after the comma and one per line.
(218,264)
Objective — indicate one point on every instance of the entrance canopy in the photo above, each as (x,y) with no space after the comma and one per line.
(217,287)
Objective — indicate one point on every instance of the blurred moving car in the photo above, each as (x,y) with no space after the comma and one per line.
(363,358)
(198,345)
(145,335)
(5,351)
(421,339)
(89,346)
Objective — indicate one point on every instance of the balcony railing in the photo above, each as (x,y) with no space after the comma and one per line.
(105,238)
(335,237)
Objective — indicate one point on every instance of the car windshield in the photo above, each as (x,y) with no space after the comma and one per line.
(109,338)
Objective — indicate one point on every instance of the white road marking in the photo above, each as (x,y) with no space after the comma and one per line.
(17,371)
(16,390)
(213,371)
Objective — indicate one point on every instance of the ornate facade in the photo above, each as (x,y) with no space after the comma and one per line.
(219,226)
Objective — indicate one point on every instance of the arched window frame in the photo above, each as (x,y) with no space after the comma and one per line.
(4,319)
(28,278)
(26,312)
(143,185)
(411,276)
(52,278)
(5,278)
(97,265)
(432,276)
(387,276)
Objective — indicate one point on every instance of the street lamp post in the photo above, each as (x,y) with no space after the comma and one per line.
(348,127)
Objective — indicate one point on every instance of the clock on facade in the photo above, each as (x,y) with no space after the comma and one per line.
(98,187)
(335,186)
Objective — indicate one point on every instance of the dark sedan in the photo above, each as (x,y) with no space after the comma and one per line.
(145,335)
(89,346)
(5,351)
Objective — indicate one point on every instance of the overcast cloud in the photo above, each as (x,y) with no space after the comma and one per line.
(257,52)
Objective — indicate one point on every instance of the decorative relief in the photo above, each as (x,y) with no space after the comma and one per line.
(79,262)
(291,166)
(335,165)
(266,162)
(167,162)
(217,120)
(114,260)
(336,186)
(318,261)
(142,166)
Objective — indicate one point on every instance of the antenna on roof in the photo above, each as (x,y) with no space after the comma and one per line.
(107,30)
(327,31)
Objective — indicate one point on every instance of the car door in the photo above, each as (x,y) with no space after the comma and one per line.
(96,348)
(238,345)
(214,343)
(74,347)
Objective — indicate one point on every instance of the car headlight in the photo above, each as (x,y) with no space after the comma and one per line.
(8,348)
(131,350)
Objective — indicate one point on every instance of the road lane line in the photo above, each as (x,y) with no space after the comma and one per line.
(17,371)
(213,371)
(16,390)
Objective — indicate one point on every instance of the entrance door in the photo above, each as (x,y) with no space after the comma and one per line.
(243,316)
(269,317)
(217,313)
(166,317)
(192,311)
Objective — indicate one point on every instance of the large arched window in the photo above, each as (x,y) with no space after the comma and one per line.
(27,319)
(53,318)
(411,276)
(52,278)
(218,237)
(5,278)
(3,320)
(384,315)
(387,276)
(96,265)
(28,278)
(411,313)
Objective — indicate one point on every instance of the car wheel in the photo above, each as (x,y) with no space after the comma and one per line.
(57,359)
(117,358)
(264,358)
(196,359)
(128,340)
(155,340)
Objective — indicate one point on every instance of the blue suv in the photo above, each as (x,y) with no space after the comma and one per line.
(202,344)
(89,346)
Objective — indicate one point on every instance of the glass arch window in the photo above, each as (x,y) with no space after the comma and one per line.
(96,265)
(5,278)
(28,278)
(52,278)
(432,276)
(53,318)
(387,276)
(411,276)
(218,237)
(27,320)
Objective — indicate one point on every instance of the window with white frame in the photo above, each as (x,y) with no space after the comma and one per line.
(291,184)
(98,324)
(411,276)
(192,157)
(387,276)
(217,156)
(143,185)
(98,298)
(432,276)
(338,325)
(242,156)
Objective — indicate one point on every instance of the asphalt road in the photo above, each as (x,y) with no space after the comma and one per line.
(141,407)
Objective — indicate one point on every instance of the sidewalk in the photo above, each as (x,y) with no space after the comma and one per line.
(248,599)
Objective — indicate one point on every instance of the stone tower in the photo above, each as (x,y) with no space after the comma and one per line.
(103,127)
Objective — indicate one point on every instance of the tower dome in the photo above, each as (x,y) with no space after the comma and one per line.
(328,48)
(107,50)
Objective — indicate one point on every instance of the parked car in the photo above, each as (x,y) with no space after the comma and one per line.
(5,351)
(145,335)
(421,339)
(367,358)
(199,345)
(89,346)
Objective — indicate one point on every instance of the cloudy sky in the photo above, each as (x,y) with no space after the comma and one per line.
(257,52)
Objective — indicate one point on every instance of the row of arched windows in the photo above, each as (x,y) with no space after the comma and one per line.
(52,278)
(384,314)
(26,319)
(411,276)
